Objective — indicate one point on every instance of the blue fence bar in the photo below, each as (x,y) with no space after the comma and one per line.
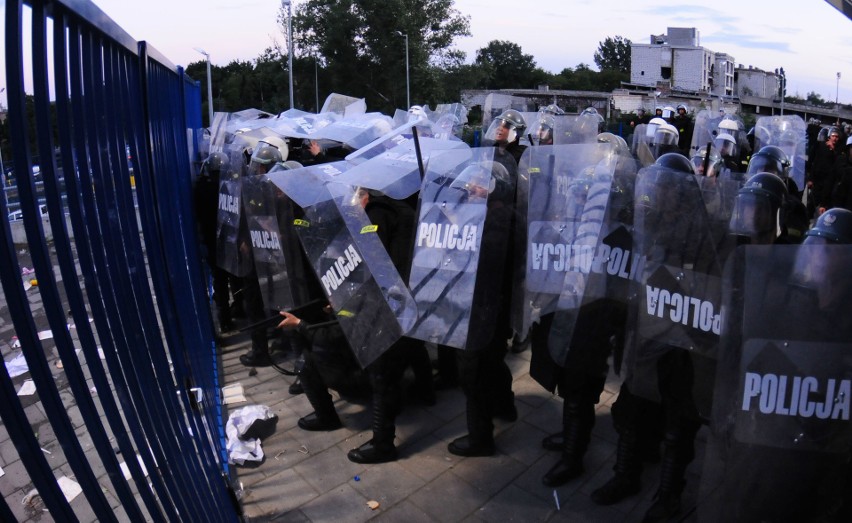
(129,272)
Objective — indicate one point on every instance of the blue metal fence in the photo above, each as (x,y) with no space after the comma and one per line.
(134,270)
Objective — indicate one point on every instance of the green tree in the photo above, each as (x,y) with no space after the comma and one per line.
(361,47)
(613,54)
(504,65)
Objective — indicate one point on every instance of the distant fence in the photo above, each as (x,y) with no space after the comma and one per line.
(129,282)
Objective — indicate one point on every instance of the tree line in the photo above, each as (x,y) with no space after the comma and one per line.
(358,48)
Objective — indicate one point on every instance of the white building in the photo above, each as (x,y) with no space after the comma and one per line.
(677,59)
(753,81)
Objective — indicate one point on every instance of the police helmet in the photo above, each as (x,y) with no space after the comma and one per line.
(589,110)
(652,127)
(277,142)
(265,155)
(682,106)
(823,134)
(514,121)
(216,163)
(552,109)
(676,162)
(698,159)
(617,141)
(769,158)
(666,134)
(416,112)
(729,124)
(544,130)
(725,144)
(766,185)
(668,111)
(849,141)
(835,225)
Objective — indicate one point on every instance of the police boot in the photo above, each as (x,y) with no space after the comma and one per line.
(480,438)
(676,456)
(226,324)
(324,416)
(553,442)
(577,422)
(258,356)
(380,449)
(628,468)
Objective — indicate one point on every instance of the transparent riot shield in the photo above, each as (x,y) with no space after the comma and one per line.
(788,132)
(604,271)
(357,130)
(343,105)
(371,302)
(306,185)
(719,193)
(448,121)
(421,115)
(300,124)
(779,446)
(678,299)
(559,227)
(218,131)
(461,247)
(709,125)
(233,250)
(391,165)
(496,103)
(275,247)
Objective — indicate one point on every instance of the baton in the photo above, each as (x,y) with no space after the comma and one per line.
(417,151)
(322,324)
(707,159)
(277,317)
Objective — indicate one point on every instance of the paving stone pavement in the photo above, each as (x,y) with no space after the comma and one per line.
(305,476)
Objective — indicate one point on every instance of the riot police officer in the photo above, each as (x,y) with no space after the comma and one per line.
(505,134)
(206,205)
(263,158)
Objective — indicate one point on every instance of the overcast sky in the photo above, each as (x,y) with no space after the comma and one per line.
(809,38)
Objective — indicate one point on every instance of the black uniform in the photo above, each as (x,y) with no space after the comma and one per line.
(394,220)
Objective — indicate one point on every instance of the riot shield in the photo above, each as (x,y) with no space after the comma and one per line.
(306,185)
(371,302)
(343,105)
(461,247)
(448,121)
(275,247)
(300,124)
(719,194)
(559,227)
(707,128)
(357,130)
(390,164)
(496,103)
(679,293)
(218,131)
(422,115)
(790,134)
(233,248)
(779,447)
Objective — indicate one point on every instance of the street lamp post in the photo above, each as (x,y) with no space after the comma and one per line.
(2,167)
(837,92)
(209,86)
(286,3)
(407,83)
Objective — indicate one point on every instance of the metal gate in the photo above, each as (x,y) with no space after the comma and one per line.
(119,281)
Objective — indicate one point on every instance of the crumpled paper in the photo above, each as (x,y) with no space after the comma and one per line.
(243,424)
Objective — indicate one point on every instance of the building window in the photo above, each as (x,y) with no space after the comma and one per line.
(642,73)
(666,73)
